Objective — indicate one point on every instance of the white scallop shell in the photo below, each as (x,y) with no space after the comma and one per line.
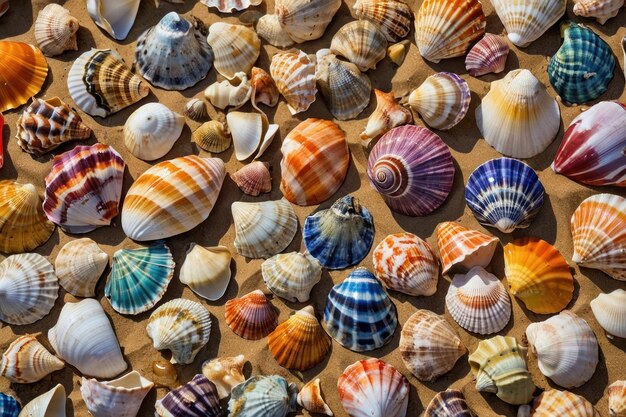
(305,20)
(79,265)
(292,276)
(294,74)
(55,30)
(152,130)
(610,312)
(236,48)
(268,27)
(526,20)
(206,270)
(116,17)
(121,397)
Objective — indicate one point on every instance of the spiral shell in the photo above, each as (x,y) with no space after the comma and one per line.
(251,316)
(393,16)
(79,265)
(55,30)
(294,74)
(526,20)
(488,55)
(442,100)
(23,71)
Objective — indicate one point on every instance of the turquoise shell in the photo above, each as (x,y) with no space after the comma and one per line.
(263,396)
(9,407)
(139,278)
(582,68)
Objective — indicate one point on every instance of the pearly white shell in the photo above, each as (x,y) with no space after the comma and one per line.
(206,270)
(151,131)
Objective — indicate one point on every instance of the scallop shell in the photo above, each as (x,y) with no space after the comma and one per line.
(462,248)
(610,312)
(499,365)
(79,265)
(26,361)
(602,10)
(263,396)
(212,136)
(504,193)
(152,130)
(304,20)
(197,398)
(617,399)
(263,229)
(448,403)
(251,316)
(23,71)
(264,88)
(294,74)
(360,42)
(393,16)
(359,314)
(526,20)
(387,115)
(196,110)
(100,83)
(84,338)
(121,397)
(206,270)
(9,407)
(487,56)
(236,48)
(269,28)
(28,288)
(227,6)
(292,275)
(226,93)
(55,30)
(23,223)
(225,373)
(412,168)
(373,388)
(442,100)
(84,187)
(116,17)
(254,178)
(340,236)
(446,29)
(51,403)
(552,403)
(518,117)
(188,187)
(310,398)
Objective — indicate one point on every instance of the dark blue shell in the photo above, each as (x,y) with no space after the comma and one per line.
(9,407)
(504,193)
(197,398)
(359,314)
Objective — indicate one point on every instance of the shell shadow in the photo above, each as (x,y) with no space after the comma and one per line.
(85,42)
(21,18)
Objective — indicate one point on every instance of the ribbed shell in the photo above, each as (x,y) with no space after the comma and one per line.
(305,20)
(23,71)
(254,178)
(235,92)
(151,131)
(227,6)
(212,137)
(562,403)
(412,168)
(292,275)
(251,316)
(206,270)
(360,42)
(50,403)
(446,29)
(9,407)
(121,397)
(448,403)
(55,30)
(462,248)
(310,398)
(294,74)
(610,312)
(196,110)
(442,100)
(269,28)
(225,372)
(236,48)
(602,10)
(197,398)
(263,396)
(79,265)
(429,346)
(264,88)
(617,399)
(26,361)
(487,56)
(526,20)
(387,115)
(393,16)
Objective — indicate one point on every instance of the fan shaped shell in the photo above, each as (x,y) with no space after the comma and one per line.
(487,56)
(23,71)
(448,403)
(116,17)
(360,42)
(393,16)
(212,137)
(294,74)
(206,270)
(197,398)
(526,20)
(151,131)
(227,6)
(602,10)
(236,48)
(26,361)
(251,316)
(610,312)
(305,20)
(79,265)
(121,397)
(292,275)
(269,28)
(462,248)
(225,372)
(263,396)
(552,403)
(9,407)
(442,100)
(55,30)
(254,178)
(196,110)
(387,115)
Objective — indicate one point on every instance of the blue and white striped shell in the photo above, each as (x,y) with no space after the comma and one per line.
(197,398)
(504,193)
(263,396)
(9,407)
(340,236)
(359,314)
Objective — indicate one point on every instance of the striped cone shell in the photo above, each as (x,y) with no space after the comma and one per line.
(55,30)
(526,20)
(448,403)
(197,398)
(602,10)
(463,248)
(393,16)
(553,402)
(487,56)
(251,316)
(294,74)
(360,42)
(23,71)
(26,361)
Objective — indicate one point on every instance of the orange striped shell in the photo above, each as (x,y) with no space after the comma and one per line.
(553,403)
(463,247)
(252,316)
(23,70)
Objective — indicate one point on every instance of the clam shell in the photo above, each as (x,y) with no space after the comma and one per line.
(197,398)
(269,28)
(55,30)
(196,110)
(387,115)
(462,248)
(526,20)
(617,399)
(26,361)
(251,316)
(9,407)
(212,137)
(116,17)
(304,20)
(360,42)
(393,16)
(225,373)
(552,403)
(610,312)
(448,403)
(227,6)
(602,10)
(487,56)
(264,88)
(247,132)
(442,100)
(23,71)
(254,178)
(294,74)
(226,93)
(236,48)
(206,270)
(310,398)
(121,397)
(79,265)
(51,403)
(152,130)
(292,275)
(263,396)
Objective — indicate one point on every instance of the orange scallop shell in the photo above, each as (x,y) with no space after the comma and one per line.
(252,316)
(463,247)
(23,70)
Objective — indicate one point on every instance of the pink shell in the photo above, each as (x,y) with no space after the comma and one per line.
(488,55)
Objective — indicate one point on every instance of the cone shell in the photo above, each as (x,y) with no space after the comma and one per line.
(100,83)
(310,398)
(294,74)
(448,403)
(51,403)
(26,361)
(227,6)
(429,346)
(23,223)
(197,398)
(462,248)
(252,316)
(373,388)
(393,16)
(79,265)
(157,205)
(487,56)
(525,21)
(602,10)
(292,275)
(413,170)
(269,28)
(254,178)
(8,405)
(360,42)
(617,399)
(116,17)
(236,48)
(23,71)
(263,229)
(206,270)
(263,396)
(446,29)
(225,373)
(562,403)
(387,115)
(55,30)
(121,397)
(518,117)
(264,88)
(610,312)
(442,100)
(212,137)
(152,130)
(195,109)
(304,20)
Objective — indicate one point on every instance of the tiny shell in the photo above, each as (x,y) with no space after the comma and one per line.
(55,30)
(197,398)
(526,20)
(292,275)
(26,361)
(251,316)
(212,137)
(254,178)
(310,398)
(23,70)
(165,374)
(397,52)
(360,42)
(235,92)
(610,312)
(487,56)
(195,109)
(236,48)
(51,403)
(247,132)
(227,6)
(448,403)
(79,265)
(116,17)
(263,396)
(552,403)
(617,399)
(393,16)
(206,270)
(294,74)
(442,100)
(151,131)
(264,88)
(387,115)
(225,373)
(121,397)
(462,248)
(602,10)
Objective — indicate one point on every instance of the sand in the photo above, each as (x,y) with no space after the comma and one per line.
(468,150)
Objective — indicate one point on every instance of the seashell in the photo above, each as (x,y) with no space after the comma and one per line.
(212,137)
(236,48)
(181,326)
(139,278)
(393,16)
(446,29)
(304,20)
(46,124)
(310,398)
(462,248)
(403,262)
(1,141)
(448,403)
(114,16)
(504,193)
(397,52)
(101,84)
(55,30)
(225,93)
(264,88)
(499,365)
(518,117)
(598,228)
(617,399)
(478,302)
(197,398)
(206,270)
(315,161)
(254,178)
(292,275)
(51,403)
(26,361)
(84,338)
(552,403)
(294,75)
(225,373)
(187,189)
(442,100)
(79,265)
(9,407)
(263,229)
(387,115)
(195,109)
(23,71)
(263,396)
(624,49)
(300,342)
(251,316)
(360,42)
(23,223)
(412,168)
(538,275)
(121,397)
(487,56)
(359,314)
(373,387)
(227,6)
(28,288)
(591,151)
(340,236)
(4,7)
(84,187)
(428,345)
(602,10)
(165,374)
(610,312)
(582,68)
(525,21)
(247,132)
(566,349)
(152,130)
(268,137)
(268,27)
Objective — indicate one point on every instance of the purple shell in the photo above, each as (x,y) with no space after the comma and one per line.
(197,398)
(412,168)
(488,55)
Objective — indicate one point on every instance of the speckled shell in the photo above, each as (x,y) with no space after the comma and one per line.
(412,168)
(448,403)
(121,397)
(212,137)
(304,20)
(227,6)
(292,275)
(116,17)
(51,403)
(264,88)
(197,398)
(23,71)
(387,115)
(393,16)
(79,265)
(151,131)
(602,10)
(360,42)
(294,74)
(446,29)
(462,248)
(9,407)
(225,372)
(526,20)
(487,56)
(310,398)
(442,100)
(251,316)
(236,48)
(617,399)
(254,178)
(373,388)
(610,312)
(55,30)
(150,212)
(206,270)
(552,403)
(26,361)
(263,396)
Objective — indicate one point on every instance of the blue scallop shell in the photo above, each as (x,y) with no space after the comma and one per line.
(504,193)
(197,398)
(139,278)
(340,236)
(582,68)
(359,314)
(263,396)
(9,407)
